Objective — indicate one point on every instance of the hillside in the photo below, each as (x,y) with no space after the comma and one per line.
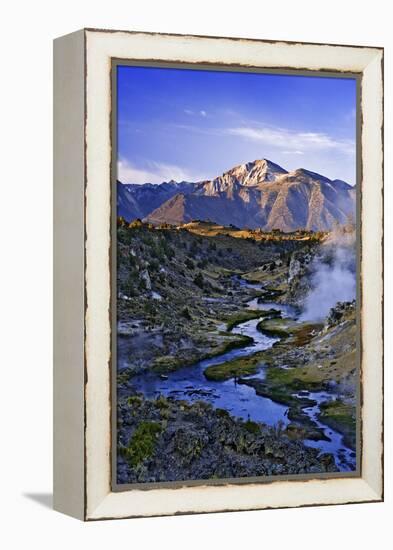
(207,344)
(177,281)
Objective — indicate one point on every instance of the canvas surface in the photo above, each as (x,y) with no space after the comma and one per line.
(236,268)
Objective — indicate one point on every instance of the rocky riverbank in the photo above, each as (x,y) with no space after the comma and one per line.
(173,440)
(308,357)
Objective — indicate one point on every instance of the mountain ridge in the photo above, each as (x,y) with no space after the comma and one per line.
(254,194)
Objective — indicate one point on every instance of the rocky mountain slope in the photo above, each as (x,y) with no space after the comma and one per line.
(256,194)
(137,201)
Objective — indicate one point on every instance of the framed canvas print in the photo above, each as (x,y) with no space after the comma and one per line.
(218,274)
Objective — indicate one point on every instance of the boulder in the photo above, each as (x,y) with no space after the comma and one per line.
(144,275)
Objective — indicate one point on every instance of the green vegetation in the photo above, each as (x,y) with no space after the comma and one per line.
(276,328)
(186,314)
(142,443)
(341,417)
(222,413)
(299,334)
(134,401)
(242,316)
(161,403)
(169,363)
(252,427)
(289,380)
(198,280)
(243,366)
(232,341)
(123,376)
(340,412)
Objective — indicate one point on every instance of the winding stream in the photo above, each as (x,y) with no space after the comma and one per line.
(189,383)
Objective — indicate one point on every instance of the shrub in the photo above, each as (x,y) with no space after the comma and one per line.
(135,223)
(148,240)
(222,413)
(129,287)
(171,283)
(170,252)
(198,280)
(142,285)
(154,264)
(142,443)
(149,308)
(162,402)
(194,249)
(186,314)
(134,401)
(252,427)
(202,263)
(124,236)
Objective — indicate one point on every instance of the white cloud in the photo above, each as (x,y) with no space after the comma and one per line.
(154,172)
(287,141)
(292,141)
(191,112)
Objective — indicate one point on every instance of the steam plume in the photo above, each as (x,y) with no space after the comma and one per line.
(333,274)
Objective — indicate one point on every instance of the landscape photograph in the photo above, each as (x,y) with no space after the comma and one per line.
(236,337)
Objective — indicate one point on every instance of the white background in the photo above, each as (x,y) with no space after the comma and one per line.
(27,29)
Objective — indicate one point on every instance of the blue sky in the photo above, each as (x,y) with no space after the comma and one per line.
(191,125)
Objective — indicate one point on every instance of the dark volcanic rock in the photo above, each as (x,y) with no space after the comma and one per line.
(168,440)
(340,312)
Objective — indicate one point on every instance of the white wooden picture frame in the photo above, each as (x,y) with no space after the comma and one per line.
(82,269)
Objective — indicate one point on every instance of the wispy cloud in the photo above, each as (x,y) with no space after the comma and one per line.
(351,115)
(201,112)
(152,172)
(291,140)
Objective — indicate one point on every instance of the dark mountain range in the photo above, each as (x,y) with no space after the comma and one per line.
(256,194)
(137,201)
